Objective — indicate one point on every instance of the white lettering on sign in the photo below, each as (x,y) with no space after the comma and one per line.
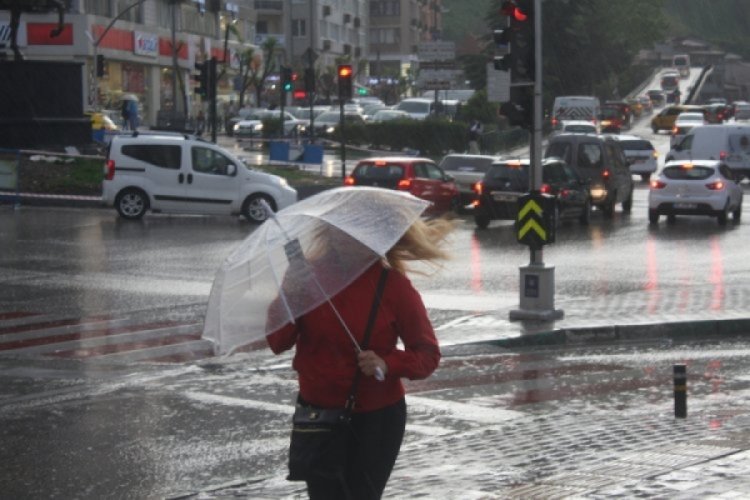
(146,44)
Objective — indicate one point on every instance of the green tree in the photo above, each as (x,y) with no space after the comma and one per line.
(255,68)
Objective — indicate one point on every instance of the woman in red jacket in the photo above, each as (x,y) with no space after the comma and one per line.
(326,367)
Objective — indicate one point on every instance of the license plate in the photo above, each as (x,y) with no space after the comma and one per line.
(685,206)
(505,197)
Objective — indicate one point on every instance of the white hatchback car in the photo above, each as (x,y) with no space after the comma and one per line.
(700,187)
(684,123)
(181,174)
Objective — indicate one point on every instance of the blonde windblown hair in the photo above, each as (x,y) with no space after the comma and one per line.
(423,241)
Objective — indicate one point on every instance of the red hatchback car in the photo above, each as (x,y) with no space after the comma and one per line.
(418,176)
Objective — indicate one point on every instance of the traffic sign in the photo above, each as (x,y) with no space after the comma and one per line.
(498,84)
(436,51)
(535,223)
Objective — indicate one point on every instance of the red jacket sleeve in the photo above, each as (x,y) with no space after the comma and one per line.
(282,339)
(421,354)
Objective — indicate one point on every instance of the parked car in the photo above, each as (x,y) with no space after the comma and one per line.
(418,108)
(640,153)
(497,194)
(699,187)
(180,174)
(418,176)
(327,123)
(386,115)
(600,161)
(684,123)
(729,143)
(466,170)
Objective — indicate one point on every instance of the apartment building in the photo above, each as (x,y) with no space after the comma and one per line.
(396,29)
(136,40)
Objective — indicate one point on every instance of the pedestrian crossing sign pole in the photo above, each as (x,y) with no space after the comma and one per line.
(536,221)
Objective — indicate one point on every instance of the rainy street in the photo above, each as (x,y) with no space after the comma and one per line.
(108,389)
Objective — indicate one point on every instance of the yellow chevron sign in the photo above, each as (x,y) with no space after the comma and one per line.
(530,205)
(532,226)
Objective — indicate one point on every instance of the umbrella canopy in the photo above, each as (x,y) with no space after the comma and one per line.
(296,261)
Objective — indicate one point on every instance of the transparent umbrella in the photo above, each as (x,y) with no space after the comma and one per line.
(300,258)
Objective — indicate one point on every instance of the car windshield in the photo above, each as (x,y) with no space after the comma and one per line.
(328,118)
(637,145)
(610,113)
(387,172)
(685,173)
(466,163)
(513,176)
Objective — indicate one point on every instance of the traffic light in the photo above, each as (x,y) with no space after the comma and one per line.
(518,110)
(202,79)
(522,45)
(503,55)
(99,65)
(345,82)
(286,79)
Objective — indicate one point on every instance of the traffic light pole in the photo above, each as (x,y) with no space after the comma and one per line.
(213,84)
(537,281)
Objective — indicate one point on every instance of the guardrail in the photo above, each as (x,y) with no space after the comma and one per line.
(695,89)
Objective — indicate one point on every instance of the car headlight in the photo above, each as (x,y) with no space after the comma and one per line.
(258,127)
(283,182)
(236,127)
(329,130)
(598,192)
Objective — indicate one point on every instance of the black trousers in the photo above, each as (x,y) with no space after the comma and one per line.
(377,437)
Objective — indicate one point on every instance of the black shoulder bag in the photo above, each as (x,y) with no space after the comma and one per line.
(320,436)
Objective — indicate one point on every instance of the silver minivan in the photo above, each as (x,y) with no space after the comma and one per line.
(729,143)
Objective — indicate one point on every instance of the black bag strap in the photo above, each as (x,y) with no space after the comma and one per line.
(368,332)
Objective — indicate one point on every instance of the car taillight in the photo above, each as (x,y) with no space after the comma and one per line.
(655,154)
(555,122)
(545,188)
(349,181)
(478,187)
(605,174)
(723,155)
(675,131)
(715,186)
(658,184)
(404,184)
(109,170)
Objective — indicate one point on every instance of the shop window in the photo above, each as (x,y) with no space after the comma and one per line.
(98,8)
(134,15)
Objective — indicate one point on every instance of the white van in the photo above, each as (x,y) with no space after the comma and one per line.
(575,107)
(418,108)
(728,143)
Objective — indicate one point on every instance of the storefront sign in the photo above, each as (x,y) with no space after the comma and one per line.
(146,44)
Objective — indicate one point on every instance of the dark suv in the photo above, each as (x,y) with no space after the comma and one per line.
(497,194)
(601,161)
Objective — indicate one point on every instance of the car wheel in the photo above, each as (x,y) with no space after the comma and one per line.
(482,221)
(254,211)
(653,217)
(645,177)
(131,203)
(585,217)
(737,213)
(627,205)
(671,219)
(723,216)
(655,130)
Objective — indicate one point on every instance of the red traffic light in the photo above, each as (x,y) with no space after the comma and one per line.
(345,71)
(510,9)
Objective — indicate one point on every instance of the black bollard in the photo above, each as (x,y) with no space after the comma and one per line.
(680,391)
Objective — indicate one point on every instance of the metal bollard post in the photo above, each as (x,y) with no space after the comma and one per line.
(680,391)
